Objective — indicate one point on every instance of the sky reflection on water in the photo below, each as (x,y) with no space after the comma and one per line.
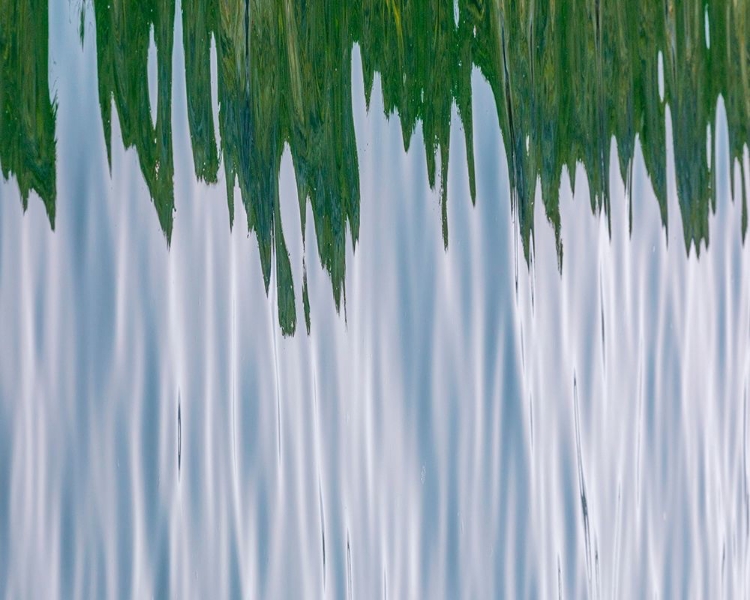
(498,418)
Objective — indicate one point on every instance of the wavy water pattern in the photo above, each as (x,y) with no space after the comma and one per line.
(535,411)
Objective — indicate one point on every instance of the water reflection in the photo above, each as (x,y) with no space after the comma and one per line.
(122,44)
(27,112)
(567,78)
(453,435)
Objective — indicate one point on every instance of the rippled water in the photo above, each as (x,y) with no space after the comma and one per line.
(476,323)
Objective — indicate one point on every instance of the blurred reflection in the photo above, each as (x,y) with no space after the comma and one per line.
(567,77)
(123,30)
(27,113)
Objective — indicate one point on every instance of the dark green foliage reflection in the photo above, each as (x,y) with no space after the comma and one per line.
(27,113)
(567,78)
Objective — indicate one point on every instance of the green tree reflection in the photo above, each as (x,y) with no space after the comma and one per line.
(27,113)
(568,78)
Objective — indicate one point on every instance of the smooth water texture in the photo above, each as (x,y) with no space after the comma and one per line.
(396,299)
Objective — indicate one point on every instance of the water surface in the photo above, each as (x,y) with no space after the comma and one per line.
(383,300)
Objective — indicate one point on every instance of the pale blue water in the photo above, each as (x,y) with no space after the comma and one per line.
(467,426)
